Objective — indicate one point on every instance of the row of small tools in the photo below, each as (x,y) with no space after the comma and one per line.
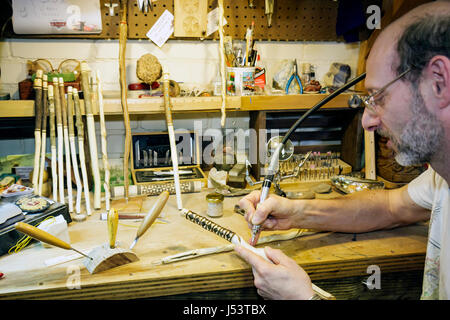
(318,166)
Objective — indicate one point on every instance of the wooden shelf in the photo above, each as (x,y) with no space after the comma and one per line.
(293,101)
(155,105)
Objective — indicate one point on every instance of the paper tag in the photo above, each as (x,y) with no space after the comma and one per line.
(213,21)
(162,29)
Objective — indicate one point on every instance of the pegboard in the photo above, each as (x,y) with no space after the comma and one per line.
(292,20)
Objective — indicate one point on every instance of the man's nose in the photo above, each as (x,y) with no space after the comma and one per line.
(370,121)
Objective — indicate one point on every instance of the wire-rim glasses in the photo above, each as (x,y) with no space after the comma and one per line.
(369,101)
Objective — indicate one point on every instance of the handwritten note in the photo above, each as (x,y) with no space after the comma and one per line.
(162,29)
(213,21)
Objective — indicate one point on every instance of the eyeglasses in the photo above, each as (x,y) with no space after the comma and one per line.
(370,102)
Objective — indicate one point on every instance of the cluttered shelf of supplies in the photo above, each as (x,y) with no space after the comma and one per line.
(38,272)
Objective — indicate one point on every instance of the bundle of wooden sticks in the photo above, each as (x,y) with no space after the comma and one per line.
(58,106)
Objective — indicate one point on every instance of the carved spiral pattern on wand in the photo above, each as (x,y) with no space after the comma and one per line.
(207,224)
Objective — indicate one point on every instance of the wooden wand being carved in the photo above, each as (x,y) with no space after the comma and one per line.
(229,235)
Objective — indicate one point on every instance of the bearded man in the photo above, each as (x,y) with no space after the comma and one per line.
(408,81)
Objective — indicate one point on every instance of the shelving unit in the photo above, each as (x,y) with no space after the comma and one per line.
(155,105)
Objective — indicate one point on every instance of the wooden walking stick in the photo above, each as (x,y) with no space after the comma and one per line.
(123,33)
(173,146)
(73,155)
(104,143)
(80,131)
(222,64)
(66,143)
(43,132)
(51,107)
(59,132)
(85,75)
(37,128)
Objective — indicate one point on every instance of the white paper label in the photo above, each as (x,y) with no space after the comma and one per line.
(213,21)
(162,29)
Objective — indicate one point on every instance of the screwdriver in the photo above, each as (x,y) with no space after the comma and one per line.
(151,215)
(44,236)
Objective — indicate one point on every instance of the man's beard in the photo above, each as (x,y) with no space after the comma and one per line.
(421,136)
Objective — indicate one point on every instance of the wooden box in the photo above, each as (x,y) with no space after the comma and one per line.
(152,162)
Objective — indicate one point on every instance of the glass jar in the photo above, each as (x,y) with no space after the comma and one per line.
(215,204)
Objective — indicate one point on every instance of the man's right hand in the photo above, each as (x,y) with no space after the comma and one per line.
(275,213)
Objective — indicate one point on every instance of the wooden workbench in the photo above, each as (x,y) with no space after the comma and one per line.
(322,255)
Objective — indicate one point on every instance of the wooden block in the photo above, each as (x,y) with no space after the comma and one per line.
(237,170)
(237,181)
(190,18)
(105,258)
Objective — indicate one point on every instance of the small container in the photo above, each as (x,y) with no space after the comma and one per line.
(215,204)
(240,81)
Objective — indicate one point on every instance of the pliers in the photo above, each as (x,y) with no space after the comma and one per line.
(294,74)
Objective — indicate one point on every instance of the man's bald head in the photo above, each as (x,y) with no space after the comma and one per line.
(386,48)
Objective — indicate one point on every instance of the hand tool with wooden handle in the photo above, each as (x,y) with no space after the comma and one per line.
(113,222)
(151,216)
(44,236)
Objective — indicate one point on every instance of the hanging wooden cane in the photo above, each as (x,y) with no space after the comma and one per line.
(66,144)
(51,107)
(37,128)
(80,131)
(73,154)
(45,113)
(59,131)
(85,76)
(104,143)
(222,64)
(123,33)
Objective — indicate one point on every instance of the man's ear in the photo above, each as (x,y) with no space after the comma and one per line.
(439,75)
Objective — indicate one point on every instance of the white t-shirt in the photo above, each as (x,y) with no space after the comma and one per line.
(431,191)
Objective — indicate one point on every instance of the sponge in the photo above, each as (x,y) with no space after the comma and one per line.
(148,68)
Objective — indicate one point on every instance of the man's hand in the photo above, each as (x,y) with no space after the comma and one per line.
(275,213)
(282,280)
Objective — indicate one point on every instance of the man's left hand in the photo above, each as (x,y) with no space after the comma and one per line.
(283,279)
